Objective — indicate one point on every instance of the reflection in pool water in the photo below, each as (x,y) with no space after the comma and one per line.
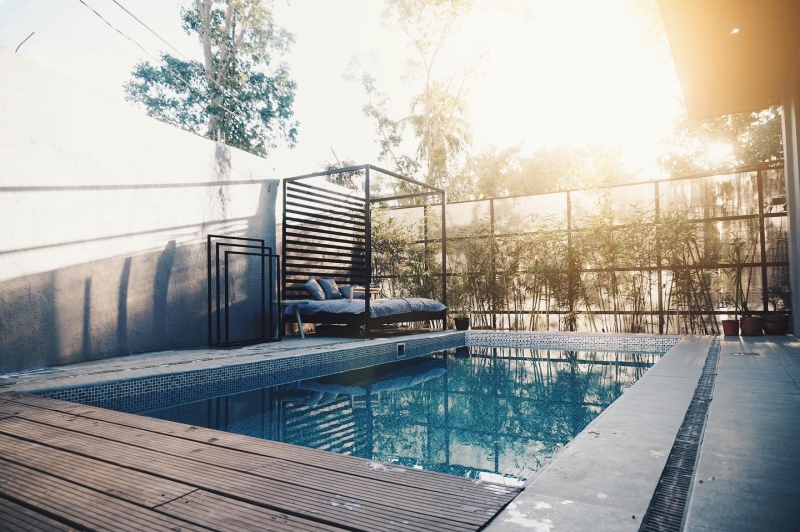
(497,414)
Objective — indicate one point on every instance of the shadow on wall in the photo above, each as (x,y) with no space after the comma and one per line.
(146,300)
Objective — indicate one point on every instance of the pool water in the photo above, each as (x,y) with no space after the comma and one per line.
(496,414)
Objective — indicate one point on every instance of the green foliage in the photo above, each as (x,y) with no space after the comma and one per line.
(741,250)
(437,118)
(240,93)
(410,268)
(724,143)
(687,258)
(497,173)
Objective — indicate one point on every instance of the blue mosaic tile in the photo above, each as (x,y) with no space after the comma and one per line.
(604,342)
(151,393)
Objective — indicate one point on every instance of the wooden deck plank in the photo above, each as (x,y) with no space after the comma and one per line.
(15,517)
(149,491)
(389,473)
(133,486)
(79,506)
(305,502)
(221,513)
(459,508)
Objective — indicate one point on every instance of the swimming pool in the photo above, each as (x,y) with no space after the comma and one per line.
(493,413)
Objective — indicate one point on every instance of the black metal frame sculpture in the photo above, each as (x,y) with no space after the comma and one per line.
(269,330)
(327,233)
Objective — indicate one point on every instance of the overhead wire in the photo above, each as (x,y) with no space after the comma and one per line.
(137,19)
(160,60)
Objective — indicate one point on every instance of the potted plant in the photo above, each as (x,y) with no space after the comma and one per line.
(462,320)
(777,322)
(461,308)
(730,327)
(739,254)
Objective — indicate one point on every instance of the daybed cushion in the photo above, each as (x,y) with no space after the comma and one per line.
(314,289)
(377,309)
(330,288)
(346,289)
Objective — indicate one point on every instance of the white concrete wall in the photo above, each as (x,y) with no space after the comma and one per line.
(103,217)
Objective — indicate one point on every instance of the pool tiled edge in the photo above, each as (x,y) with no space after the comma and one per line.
(144,393)
(565,340)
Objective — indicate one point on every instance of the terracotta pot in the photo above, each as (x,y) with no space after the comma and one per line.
(750,326)
(730,327)
(775,323)
(462,324)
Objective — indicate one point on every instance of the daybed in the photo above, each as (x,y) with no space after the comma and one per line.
(342,311)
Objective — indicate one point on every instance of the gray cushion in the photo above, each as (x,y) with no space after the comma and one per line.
(314,289)
(346,289)
(330,288)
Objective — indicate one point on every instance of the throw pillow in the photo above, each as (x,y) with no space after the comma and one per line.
(314,289)
(330,288)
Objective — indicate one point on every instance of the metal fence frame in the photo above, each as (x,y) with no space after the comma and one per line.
(660,312)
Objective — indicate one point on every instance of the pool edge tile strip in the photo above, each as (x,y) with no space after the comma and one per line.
(567,340)
(668,507)
(140,394)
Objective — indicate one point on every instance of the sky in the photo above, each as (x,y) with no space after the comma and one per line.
(555,72)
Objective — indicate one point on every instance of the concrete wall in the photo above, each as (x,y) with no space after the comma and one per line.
(103,217)
(791,143)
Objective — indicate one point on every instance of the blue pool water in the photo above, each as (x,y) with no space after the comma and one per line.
(481,412)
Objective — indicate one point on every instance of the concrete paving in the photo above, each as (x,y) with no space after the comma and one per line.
(748,474)
(162,362)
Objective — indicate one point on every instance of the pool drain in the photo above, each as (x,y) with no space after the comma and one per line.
(667,508)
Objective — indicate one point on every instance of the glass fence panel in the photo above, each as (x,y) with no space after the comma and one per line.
(530,213)
(713,196)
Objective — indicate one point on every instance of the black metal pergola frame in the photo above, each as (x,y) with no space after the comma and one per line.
(317,221)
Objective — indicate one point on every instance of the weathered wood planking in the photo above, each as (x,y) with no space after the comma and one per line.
(223,481)
(421,480)
(15,517)
(451,507)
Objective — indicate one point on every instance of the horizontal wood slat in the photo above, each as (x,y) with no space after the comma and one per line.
(299,186)
(311,216)
(302,201)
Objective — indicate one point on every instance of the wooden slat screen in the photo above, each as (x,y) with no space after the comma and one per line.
(324,237)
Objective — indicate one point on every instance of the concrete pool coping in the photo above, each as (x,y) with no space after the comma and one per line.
(146,365)
(748,466)
(605,477)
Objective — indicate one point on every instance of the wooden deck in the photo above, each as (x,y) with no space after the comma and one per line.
(67,466)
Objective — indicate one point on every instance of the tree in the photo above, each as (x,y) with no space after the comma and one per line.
(506,172)
(724,143)
(437,114)
(238,94)
(595,165)
(490,174)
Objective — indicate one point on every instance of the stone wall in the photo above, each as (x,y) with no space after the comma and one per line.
(104,214)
